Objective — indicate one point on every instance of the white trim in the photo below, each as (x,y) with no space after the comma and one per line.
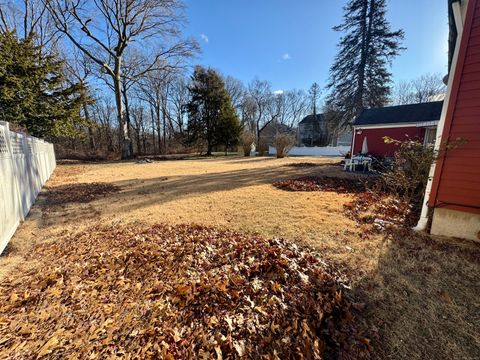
(397,125)
(459,12)
(428,123)
(353,141)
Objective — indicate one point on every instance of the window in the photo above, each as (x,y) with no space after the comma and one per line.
(430,136)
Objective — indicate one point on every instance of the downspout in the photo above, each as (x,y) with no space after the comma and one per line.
(459,20)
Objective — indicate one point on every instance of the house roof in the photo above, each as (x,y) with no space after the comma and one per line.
(275,127)
(311,118)
(430,111)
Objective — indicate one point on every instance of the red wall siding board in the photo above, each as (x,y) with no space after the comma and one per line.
(462,171)
(469,85)
(472,141)
(456,182)
(472,58)
(463,182)
(468,127)
(470,112)
(376,144)
(469,102)
(461,196)
(474,76)
(470,68)
(463,160)
(475,40)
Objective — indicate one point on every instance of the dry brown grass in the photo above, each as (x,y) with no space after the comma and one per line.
(421,294)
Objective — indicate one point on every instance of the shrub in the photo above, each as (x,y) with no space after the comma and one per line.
(246,140)
(409,175)
(283,143)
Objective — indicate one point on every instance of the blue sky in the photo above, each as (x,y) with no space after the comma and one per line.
(291,42)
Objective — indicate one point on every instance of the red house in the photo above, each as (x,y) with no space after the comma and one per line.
(454,193)
(414,121)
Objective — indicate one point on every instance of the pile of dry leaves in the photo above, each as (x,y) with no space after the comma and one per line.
(310,164)
(302,165)
(178,292)
(324,183)
(381,210)
(80,193)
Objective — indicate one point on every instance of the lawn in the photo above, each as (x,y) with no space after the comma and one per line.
(419,295)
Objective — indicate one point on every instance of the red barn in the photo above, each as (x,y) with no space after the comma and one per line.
(414,121)
(454,193)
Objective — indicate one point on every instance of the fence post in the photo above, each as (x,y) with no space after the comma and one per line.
(16,179)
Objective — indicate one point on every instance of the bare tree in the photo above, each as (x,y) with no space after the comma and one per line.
(266,104)
(428,87)
(178,100)
(150,90)
(103,29)
(293,106)
(78,69)
(103,113)
(236,90)
(248,110)
(28,19)
(314,92)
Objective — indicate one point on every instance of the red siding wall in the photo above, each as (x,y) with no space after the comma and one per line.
(376,144)
(456,182)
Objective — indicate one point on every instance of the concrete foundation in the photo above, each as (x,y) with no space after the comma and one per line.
(454,223)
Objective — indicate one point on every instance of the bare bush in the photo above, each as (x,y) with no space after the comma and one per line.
(283,143)
(247,138)
(409,176)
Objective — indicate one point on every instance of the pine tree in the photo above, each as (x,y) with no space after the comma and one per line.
(229,127)
(359,76)
(211,115)
(33,90)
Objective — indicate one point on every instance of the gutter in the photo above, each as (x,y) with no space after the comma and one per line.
(459,17)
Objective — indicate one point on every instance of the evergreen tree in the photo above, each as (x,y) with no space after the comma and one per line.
(359,76)
(33,90)
(211,115)
(229,127)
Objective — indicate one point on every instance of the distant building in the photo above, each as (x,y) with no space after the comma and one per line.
(267,134)
(402,122)
(314,131)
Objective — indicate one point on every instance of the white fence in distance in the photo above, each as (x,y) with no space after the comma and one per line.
(26,163)
(314,151)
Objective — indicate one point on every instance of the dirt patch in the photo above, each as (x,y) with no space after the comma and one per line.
(325,183)
(177,292)
(78,193)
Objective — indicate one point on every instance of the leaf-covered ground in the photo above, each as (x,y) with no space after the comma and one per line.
(79,193)
(176,292)
(368,206)
(381,211)
(324,183)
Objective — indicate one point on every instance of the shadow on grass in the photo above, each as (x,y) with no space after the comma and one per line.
(423,298)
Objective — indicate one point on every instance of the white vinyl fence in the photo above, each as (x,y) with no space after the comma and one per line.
(26,163)
(314,151)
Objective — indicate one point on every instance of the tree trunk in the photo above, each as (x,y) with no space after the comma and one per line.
(363,61)
(209,150)
(127,117)
(125,139)
(152,115)
(91,137)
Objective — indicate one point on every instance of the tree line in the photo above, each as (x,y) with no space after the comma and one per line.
(112,77)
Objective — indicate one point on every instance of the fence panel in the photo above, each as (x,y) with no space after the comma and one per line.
(26,163)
